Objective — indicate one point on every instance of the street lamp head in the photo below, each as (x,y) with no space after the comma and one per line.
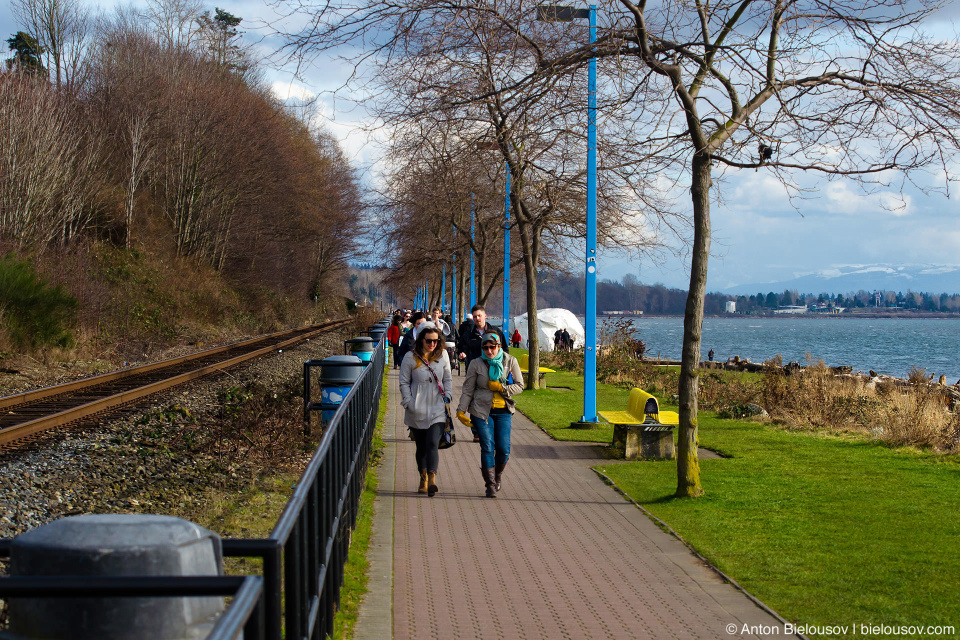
(560,13)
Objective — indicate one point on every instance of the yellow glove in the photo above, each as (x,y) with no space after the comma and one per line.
(464,418)
(494,385)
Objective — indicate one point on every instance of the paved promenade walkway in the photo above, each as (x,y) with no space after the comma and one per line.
(558,554)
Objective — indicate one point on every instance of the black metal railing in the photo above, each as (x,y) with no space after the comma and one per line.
(304,556)
(243,618)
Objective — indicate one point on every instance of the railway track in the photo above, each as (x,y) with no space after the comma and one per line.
(26,414)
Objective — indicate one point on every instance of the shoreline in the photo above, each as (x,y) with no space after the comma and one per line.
(921,315)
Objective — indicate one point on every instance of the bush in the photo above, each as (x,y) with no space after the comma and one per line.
(34,314)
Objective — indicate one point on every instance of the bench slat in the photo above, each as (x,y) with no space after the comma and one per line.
(524,361)
(620,417)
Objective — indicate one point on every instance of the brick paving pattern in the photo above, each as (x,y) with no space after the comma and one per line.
(557,555)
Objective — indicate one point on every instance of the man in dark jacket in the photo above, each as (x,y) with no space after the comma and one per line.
(471,333)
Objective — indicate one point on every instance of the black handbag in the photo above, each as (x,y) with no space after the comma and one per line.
(448,437)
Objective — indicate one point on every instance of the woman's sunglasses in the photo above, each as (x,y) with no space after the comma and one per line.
(429,341)
(490,347)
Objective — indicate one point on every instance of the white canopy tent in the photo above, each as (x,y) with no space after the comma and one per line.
(548,321)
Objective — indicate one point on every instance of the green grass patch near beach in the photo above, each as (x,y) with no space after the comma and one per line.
(826,530)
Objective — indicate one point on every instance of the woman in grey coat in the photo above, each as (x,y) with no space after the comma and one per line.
(490,383)
(426,386)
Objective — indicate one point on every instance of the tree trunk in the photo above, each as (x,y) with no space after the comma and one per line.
(530,260)
(688,465)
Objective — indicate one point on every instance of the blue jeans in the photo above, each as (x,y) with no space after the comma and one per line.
(494,438)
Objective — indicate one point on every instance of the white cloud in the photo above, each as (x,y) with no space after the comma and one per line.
(844,198)
(287,90)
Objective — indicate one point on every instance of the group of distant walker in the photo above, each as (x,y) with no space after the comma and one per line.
(562,340)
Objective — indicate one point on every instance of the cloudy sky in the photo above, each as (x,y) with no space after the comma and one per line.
(759,235)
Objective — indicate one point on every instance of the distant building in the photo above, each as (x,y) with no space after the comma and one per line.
(826,307)
(731,306)
(791,308)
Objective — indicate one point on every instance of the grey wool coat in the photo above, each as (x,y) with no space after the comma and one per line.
(477,398)
(419,396)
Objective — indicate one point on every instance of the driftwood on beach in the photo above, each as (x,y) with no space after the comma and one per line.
(951,393)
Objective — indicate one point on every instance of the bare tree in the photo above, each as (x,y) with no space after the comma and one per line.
(467,64)
(435,178)
(62,28)
(49,164)
(850,90)
(174,21)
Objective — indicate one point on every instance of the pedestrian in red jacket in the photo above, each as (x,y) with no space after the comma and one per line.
(393,338)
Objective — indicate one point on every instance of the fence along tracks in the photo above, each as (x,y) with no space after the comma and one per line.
(25,414)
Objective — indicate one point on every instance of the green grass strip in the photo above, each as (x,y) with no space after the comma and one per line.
(825,530)
(355,572)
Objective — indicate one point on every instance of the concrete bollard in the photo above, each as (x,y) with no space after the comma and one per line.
(115,545)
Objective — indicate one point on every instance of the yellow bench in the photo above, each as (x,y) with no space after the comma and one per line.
(643,429)
(524,360)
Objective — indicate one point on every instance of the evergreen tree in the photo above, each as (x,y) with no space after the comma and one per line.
(222,39)
(26,56)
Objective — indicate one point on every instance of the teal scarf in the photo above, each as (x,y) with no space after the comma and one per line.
(495,365)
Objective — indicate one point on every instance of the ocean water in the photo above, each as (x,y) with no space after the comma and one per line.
(887,345)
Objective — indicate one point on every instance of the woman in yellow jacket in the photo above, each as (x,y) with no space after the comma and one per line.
(490,383)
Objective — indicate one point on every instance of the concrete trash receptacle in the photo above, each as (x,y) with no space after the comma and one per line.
(376,333)
(361,347)
(116,545)
(337,375)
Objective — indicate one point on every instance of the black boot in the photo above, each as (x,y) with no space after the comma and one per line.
(498,472)
(489,482)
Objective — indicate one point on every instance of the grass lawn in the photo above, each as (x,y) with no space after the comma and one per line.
(826,531)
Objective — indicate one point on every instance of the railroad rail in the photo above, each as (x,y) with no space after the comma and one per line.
(29,413)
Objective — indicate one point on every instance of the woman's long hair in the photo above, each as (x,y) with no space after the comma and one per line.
(421,346)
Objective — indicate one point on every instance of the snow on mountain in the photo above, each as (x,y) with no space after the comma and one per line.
(851,278)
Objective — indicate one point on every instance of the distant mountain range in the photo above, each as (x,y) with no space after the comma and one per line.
(851,278)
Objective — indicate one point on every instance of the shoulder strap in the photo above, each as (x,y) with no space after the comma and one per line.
(433,373)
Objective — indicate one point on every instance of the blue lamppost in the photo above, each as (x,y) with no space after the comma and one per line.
(473,281)
(557,13)
(443,290)
(453,293)
(453,285)
(506,256)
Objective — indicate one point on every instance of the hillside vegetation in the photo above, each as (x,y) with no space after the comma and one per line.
(154,192)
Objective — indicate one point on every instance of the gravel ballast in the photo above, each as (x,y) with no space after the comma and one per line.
(107,468)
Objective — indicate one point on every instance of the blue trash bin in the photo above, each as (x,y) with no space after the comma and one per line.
(338,374)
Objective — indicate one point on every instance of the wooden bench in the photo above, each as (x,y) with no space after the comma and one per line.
(524,360)
(643,429)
